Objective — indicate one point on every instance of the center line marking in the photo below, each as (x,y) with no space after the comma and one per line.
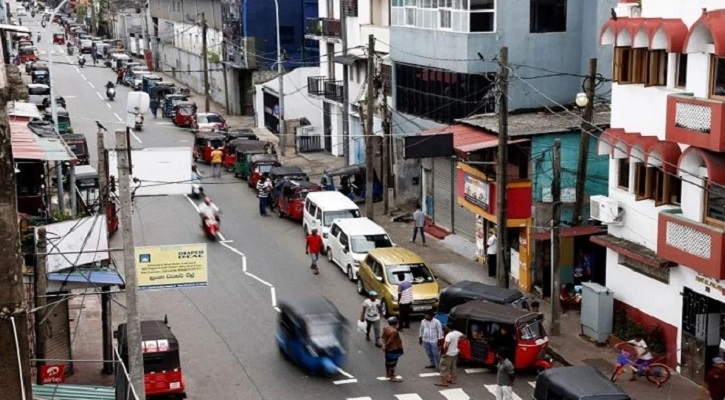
(91,85)
(77,70)
(100,97)
(109,105)
(118,118)
(136,137)
(343,372)
(84,77)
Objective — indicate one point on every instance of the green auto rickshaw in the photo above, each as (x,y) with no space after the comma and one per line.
(244,149)
(64,125)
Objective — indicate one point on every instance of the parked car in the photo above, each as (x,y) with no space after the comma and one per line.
(322,208)
(208,122)
(383,269)
(351,239)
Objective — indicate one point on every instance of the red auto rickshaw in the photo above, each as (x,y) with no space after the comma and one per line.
(183,113)
(26,54)
(291,199)
(205,143)
(491,327)
(260,164)
(59,38)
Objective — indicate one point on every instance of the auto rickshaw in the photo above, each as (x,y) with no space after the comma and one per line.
(241,134)
(59,38)
(64,125)
(205,143)
(310,332)
(491,327)
(161,360)
(78,144)
(148,83)
(278,175)
(26,54)
(464,291)
(260,164)
(161,89)
(88,187)
(580,382)
(183,112)
(291,199)
(169,102)
(243,150)
(40,76)
(352,182)
(59,101)
(230,152)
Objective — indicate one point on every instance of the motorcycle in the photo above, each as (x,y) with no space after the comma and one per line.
(211,227)
(197,192)
(110,93)
(138,124)
(81,61)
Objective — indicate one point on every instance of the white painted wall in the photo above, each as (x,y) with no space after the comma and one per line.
(188,37)
(637,108)
(296,102)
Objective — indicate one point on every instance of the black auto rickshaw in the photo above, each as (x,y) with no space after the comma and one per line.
(352,182)
(205,143)
(64,124)
(241,133)
(149,82)
(161,360)
(465,291)
(59,101)
(581,382)
(36,66)
(40,76)
(88,187)
(78,144)
(310,332)
(161,89)
(244,149)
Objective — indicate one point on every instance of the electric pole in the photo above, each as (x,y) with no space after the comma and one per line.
(94,23)
(106,323)
(205,60)
(586,129)
(135,356)
(369,135)
(555,246)
(345,94)
(386,153)
(41,289)
(503,256)
(14,352)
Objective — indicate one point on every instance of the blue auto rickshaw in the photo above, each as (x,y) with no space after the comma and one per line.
(352,182)
(169,102)
(310,333)
(149,82)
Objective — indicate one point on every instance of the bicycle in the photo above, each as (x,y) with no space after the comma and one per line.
(656,373)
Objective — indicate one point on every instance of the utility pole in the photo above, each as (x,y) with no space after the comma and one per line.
(135,356)
(280,70)
(586,128)
(386,153)
(14,353)
(369,136)
(106,328)
(94,23)
(205,60)
(555,246)
(72,192)
(345,94)
(147,33)
(504,255)
(41,289)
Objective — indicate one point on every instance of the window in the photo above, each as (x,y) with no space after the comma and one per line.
(640,66)
(410,16)
(483,16)
(667,188)
(657,68)
(441,95)
(714,205)
(621,64)
(453,15)
(643,177)
(623,174)
(717,85)
(444,19)
(386,72)
(547,16)
(681,77)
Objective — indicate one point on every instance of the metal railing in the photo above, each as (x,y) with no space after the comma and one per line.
(316,85)
(334,90)
(324,27)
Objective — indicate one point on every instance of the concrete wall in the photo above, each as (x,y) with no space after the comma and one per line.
(297,104)
(178,10)
(187,68)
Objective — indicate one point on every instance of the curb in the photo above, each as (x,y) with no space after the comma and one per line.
(558,357)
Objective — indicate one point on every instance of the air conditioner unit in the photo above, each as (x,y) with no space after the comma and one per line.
(603,209)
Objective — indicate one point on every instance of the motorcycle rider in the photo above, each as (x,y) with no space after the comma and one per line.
(81,60)
(110,86)
(208,210)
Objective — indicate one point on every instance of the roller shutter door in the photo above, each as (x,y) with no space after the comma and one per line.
(443,194)
(57,329)
(464,221)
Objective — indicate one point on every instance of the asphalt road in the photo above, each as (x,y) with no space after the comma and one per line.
(226,330)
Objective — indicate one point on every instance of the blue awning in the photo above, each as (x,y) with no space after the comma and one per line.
(73,392)
(91,276)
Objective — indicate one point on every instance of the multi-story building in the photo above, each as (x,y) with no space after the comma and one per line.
(666,202)
(341,25)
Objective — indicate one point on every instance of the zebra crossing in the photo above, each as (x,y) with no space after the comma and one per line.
(45,52)
(485,391)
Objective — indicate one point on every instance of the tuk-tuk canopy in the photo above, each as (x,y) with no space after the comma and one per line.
(294,184)
(286,171)
(264,158)
(151,331)
(349,170)
(314,305)
(38,67)
(208,136)
(249,146)
(576,383)
(484,311)
(174,96)
(60,112)
(152,77)
(471,290)
(61,35)
(243,133)
(186,104)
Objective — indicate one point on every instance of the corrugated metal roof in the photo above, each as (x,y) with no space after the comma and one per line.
(537,123)
(29,146)
(468,138)
(73,392)
(21,110)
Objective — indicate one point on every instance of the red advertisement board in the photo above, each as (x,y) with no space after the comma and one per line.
(50,374)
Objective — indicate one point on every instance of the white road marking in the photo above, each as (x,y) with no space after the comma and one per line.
(163,123)
(109,105)
(274,296)
(408,396)
(429,374)
(226,241)
(118,118)
(455,394)
(343,372)
(532,383)
(260,280)
(77,70)
(492,389)
(359,398)
(277,309)
(385,378)
(183,140)
(195,206)
(345,381)
(99,95)
(475,370)
(84,77)
(239,253)
(136,137)
(222,237)
(91,85)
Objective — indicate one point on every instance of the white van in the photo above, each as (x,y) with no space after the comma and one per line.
(322,208)
(350,240)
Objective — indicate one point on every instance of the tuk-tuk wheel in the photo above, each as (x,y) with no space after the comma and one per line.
(230,168)
(280,214)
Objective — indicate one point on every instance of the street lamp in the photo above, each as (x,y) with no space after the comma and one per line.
(581,100)
(282,130)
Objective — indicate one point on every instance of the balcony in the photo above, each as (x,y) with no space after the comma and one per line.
(325,87)
(329,29)
(691,243)
(696,121)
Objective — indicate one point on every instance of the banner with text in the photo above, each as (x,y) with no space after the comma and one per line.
(171,267)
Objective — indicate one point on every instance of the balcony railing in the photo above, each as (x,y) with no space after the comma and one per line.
(696,121)
(316,85)
(325,87)
(323,27)
(691,243)
(333,90)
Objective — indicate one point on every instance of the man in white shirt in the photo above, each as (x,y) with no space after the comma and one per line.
(491,252)
(208,210)
(429,334)
(450,356)
(370,314)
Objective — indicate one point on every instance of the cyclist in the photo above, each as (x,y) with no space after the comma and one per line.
(644,357)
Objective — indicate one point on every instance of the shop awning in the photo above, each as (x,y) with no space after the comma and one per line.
(76,242)
(572,231)
(23,111)
(467,139)
(29,146)
(88,277)
(632,250)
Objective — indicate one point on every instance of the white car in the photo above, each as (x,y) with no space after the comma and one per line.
(349,241)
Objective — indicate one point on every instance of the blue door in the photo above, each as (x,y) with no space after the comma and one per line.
(357,147)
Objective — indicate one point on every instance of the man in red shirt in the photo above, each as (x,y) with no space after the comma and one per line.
(313,247)
(715,380)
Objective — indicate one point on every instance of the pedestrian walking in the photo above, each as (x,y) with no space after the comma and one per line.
(370,315)
(715,380)
(418,224)
(154,106)
(504,376)
(449,357)
(216,162)
(263,189)
(119,76)
(392,348)
(405,300)
(429,334)
(491,251)
(313,245)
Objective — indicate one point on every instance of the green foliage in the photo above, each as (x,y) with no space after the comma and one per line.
(61,216)
(214,57)
(627,329)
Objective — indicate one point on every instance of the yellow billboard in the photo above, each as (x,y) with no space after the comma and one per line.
(171,267)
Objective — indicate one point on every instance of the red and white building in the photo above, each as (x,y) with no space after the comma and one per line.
(666,204)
